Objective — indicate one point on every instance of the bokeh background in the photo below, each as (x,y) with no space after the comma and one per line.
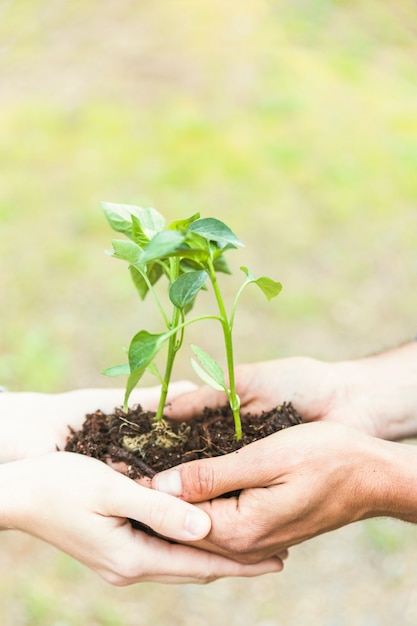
(294,122)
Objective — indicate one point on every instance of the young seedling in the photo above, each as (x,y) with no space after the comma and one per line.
(189,253)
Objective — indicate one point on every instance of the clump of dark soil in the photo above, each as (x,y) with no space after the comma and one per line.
(146,446)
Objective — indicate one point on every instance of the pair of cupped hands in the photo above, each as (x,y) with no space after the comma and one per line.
(293,485)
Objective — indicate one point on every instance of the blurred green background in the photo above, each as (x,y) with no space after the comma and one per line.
(294,122)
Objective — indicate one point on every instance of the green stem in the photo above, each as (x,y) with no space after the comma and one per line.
(173,347)
(227,333)
(155,297)
(173,344)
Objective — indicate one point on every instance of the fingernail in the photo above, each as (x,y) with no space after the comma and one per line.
(197,524)
(169,482)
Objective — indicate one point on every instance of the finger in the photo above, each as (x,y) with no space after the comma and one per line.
(166,515)
(205,479)
(188,405)
(188,564)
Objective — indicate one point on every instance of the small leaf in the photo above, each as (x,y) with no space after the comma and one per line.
(117,370)
(270,287)
(132,381)
(142,350)
(150,220)
(126,250)
(144,347)
(186,287)
(119,217)
(221,265)
(215,230)
(210,371)
(138,234)
(184,224)
(153,271)
(205,377)
(163,245)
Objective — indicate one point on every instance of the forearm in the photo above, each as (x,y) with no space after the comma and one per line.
(387,384)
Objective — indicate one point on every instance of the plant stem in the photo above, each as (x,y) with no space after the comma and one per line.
(227,333)
(173,344)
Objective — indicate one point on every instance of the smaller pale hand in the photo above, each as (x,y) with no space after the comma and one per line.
(83,507)
(36,423)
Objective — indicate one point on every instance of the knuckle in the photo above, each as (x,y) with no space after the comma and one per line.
(199,480)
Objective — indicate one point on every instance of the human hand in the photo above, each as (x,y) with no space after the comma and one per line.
(296,484)
(376,394)
(38,423)
(83,507)
(318,391)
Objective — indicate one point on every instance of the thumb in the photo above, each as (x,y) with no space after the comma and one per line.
(167,516)
(197,481)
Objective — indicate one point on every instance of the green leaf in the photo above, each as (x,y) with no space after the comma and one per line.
(150,220)
(270,287)
(142,350)
(215,230)
(120,216)
(208,370)
(153,271)
(126,250)
(163,245)
(138,234)
(144,347)
(221,265)
(186,287)
(152,369)
(117,370)
(184,224)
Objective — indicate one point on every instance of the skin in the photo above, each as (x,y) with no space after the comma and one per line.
(83,507)
(343,466)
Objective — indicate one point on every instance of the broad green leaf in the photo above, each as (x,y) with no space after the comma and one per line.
(138,234)
(153,271)
(270,287)
(142,350)
(119,217)
(143,347)
(186,287)
(151,221)
(220,264)
(215,230)
(184,224)
(117,370)
(163,245)
(126,250)
(210,371)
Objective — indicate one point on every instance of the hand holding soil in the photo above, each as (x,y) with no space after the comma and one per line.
(85,508)
(302,482)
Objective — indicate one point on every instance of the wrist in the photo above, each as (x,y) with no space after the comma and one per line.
(392,474)
(384,388)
